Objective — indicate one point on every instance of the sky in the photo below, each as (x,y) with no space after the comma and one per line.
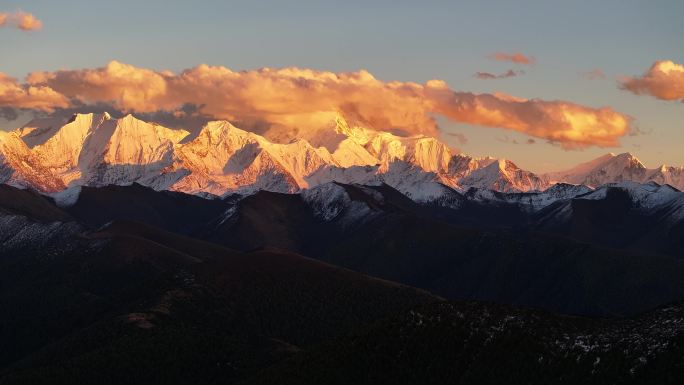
(581,53)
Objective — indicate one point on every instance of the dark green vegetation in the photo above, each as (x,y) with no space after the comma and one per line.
(141,287)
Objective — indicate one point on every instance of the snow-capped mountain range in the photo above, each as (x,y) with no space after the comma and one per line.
(53,156)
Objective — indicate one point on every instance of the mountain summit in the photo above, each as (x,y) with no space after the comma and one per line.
(611,168)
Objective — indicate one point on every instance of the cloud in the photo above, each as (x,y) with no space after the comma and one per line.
(290,103)
(570,125)
(460,138)
(664,80)
(8,113)
(27,22)
(25,96)
(288,99)
(594,74)
(516,58)
(22,20)
(491,76)
(507,139)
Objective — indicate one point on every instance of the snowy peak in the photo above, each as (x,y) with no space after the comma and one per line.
(625,161)
(133,141)
(667,175)
(505,176)
(86,149)
(21,168)
(430,154)
(605,169)
(427,153)
(368,147)
(40,131)
(612,168)
(219,131)
(59,148)
(224,158)
(353,131)
(462,165)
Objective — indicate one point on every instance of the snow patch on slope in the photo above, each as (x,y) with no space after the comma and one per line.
(68,197)
(646,196)
(327,201)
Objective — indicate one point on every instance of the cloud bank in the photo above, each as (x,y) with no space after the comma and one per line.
(28,97)
(293,102)
(570,125)
(20,19)
(664,80)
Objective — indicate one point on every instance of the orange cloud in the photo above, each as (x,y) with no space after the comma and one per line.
(292,102)
(28,22)
(571,125)
(664,80)
(22,20)
(129,88)
(15,95)
(292,98)
(491,76)
(516,58)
